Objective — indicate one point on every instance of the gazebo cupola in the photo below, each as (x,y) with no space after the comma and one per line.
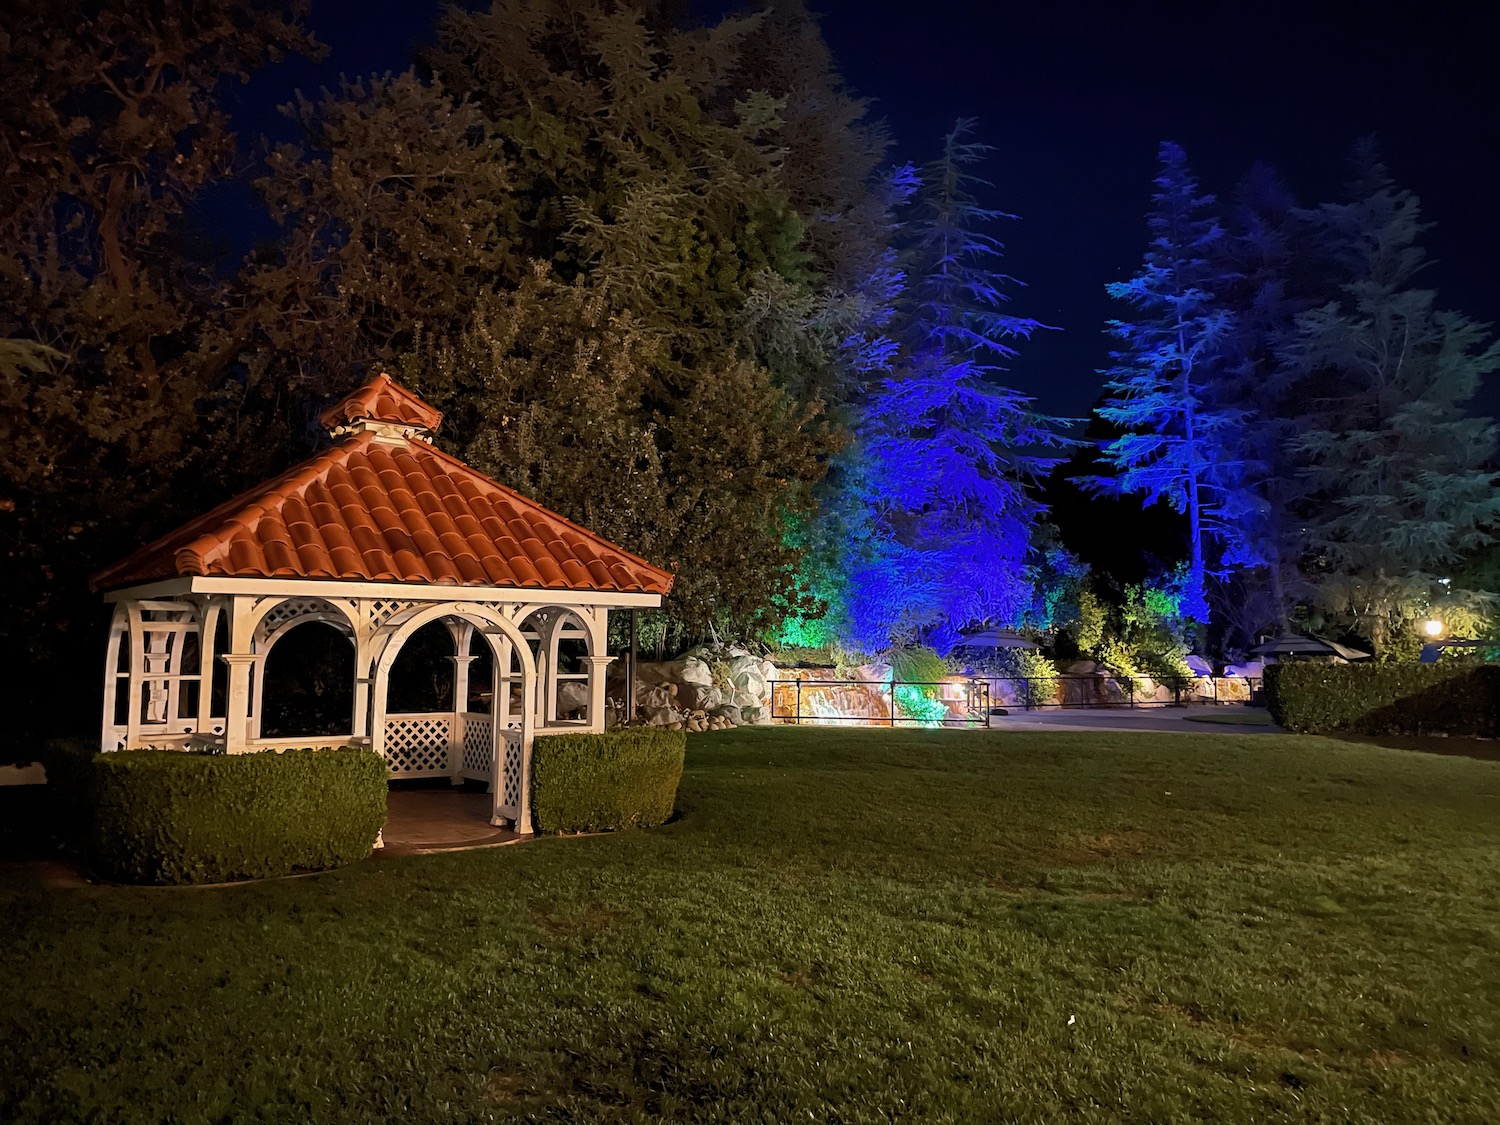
(378,536)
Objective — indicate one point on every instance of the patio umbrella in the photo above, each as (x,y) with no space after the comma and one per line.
(1294,644)
(993,638)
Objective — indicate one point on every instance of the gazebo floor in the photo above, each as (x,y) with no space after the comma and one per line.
(440,820)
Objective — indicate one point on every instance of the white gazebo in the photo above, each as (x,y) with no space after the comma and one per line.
(377,536)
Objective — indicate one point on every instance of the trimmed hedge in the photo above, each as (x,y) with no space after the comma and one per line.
(620,779)
(162,816)
(1386,698)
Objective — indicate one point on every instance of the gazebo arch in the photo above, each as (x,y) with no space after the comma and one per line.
(509,753)
(379,535)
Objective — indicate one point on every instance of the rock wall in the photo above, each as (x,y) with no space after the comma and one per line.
(727,684)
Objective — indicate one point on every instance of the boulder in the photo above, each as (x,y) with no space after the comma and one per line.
(572,697)
(700,697)
(692,670)
(1197,665)
(1253,669)
(1082,668)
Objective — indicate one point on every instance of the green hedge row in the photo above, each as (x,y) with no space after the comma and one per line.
(620,779)
(1386,698)
(167,817)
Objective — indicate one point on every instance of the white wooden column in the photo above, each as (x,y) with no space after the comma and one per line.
(119,633)
(237,707)
(598,667)
(241,660)
(460,707)
(208,633)
(137,688)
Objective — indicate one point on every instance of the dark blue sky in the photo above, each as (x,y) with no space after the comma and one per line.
(1075,98)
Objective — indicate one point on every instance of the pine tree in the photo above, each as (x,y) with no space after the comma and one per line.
(1269,268)
(948,452)
(1184,444)
(630,160)
(1400,479)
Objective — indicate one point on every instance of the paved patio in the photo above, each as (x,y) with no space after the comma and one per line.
(440,820)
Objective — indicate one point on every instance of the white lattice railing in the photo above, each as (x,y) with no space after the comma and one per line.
(418,745)
(478,748)
(510,793)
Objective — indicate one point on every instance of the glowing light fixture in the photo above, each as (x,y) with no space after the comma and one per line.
(1433,627)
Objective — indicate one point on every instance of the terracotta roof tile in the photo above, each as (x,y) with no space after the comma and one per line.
(377,508)
(382,399)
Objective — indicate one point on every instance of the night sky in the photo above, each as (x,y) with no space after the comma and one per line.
(1075,99)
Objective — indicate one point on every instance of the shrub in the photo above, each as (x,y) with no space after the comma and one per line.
(69,763)
(592,782)
(1385,698)
(917,664)
(163,816)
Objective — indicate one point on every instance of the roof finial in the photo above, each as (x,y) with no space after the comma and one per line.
(385,408)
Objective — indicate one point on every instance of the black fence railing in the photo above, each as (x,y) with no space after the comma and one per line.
(971,702)
(1031,693)
(925,703)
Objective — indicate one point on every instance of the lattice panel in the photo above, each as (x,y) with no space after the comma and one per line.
(478,746)
(382,610)
(293,608)
(418,745)
(513,773)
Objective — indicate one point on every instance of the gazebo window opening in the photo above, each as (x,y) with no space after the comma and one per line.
(307,683)
(562,646)
(157,672)
(423,674)
(570,680)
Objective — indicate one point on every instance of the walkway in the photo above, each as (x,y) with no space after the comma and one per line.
(1165,720)
(440,820)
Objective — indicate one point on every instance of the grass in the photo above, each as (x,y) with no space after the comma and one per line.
(1234,718)
(840,926)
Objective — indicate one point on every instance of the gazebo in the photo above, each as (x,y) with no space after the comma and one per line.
(378,536)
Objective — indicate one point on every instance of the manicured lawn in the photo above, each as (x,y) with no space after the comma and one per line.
(842,926)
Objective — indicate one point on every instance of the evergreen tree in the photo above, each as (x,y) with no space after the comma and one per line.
(1184,445)
(1400,480)
(630,160)
(119,373)
(1269,268)
(948,452)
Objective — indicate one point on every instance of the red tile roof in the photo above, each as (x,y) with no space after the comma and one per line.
(377,510)
(382,399)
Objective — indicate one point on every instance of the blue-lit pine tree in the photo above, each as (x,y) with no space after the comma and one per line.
(1269,268)
(1183,443)
(948,451)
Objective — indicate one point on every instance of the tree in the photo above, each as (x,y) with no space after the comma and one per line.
(110,130)
(948,452)
(1183,444)
(592,142)
(1400,479)
(1270,267)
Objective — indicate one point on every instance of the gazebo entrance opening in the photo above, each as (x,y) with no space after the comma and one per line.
(444,704)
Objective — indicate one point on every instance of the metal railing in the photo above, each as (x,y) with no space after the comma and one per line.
(798,701)
(973,705)
(1129,691)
